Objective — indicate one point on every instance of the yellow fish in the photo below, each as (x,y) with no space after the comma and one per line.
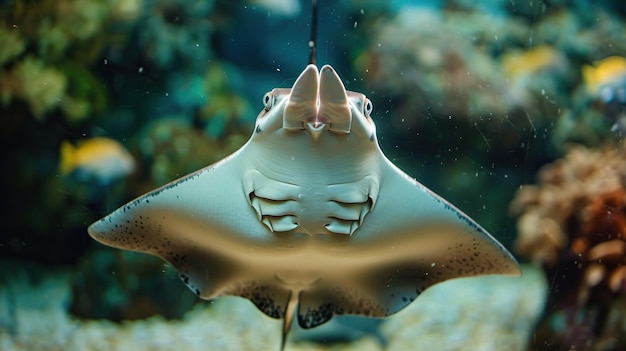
(531,61)
(101,159)
(604,72)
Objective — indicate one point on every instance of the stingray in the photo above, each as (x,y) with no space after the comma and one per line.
(309,218)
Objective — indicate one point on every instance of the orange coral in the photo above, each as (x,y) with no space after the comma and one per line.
(574,223)
(579,206)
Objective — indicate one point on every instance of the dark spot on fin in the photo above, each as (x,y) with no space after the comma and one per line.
(372,137)
(258,129)
(313,317)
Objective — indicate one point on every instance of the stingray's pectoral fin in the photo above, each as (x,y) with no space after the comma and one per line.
(394,271)
(380,277)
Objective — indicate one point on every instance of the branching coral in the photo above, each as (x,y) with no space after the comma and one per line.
(574,224)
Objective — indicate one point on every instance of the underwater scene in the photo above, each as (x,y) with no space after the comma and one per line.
(314,234)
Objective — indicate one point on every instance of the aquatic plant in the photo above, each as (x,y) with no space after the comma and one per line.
(573,223)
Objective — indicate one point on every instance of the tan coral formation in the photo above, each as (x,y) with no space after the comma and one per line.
(577,212)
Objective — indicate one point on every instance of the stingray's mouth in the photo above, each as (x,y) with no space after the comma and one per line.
(316,124)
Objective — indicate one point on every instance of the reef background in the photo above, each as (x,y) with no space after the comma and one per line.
(470,98)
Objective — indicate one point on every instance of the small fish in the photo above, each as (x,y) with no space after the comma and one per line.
(604,74)
(101,159)
(606,82)
(532,61)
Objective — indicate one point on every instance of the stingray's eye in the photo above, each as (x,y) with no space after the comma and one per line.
(268,101)
(367,108)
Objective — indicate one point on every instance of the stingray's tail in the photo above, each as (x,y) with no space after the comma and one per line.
(289,314)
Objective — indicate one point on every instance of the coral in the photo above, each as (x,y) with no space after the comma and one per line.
(126,10)
(40,86)
(69,23)
(420,53)
(574,224)
(78,69)
(50,89)
(520,74)
(176,32)
(593,32)
(429,66)
(42,57)
(598,106)
(225,107)
(11,43)
(438,76)
(54,27)
(171,147)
